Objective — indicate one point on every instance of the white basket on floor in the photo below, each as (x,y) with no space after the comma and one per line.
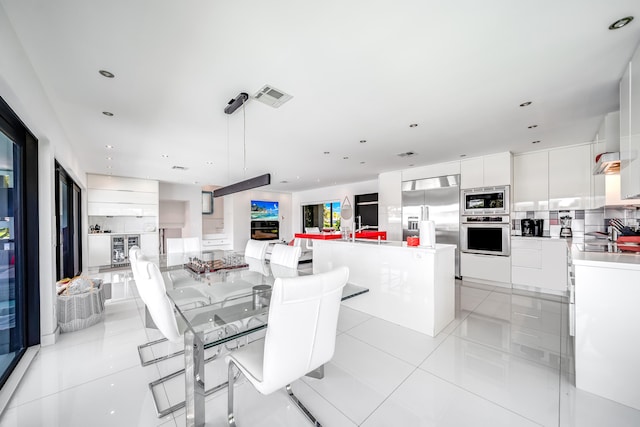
(81,310)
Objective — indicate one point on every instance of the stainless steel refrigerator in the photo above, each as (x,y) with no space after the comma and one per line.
(436,199)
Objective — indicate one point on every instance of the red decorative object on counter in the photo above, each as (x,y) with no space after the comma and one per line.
(413,241)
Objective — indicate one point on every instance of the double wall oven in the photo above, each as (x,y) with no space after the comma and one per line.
(485,226)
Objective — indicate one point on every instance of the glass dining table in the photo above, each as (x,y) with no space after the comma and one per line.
(222,298)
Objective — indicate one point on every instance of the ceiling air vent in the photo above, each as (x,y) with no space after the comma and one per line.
(180,168)
(272,96)
(407,154)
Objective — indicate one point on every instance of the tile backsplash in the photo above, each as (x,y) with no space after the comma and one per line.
(583,221)
(125,224)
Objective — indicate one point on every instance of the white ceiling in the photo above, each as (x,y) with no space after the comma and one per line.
(357,70)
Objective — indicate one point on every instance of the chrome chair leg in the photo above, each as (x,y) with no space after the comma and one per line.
(230,417)
(303,408)
(157,359)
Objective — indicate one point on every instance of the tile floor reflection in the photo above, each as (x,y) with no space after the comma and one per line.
(505,360)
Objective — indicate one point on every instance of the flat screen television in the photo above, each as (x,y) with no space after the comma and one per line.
(264,211)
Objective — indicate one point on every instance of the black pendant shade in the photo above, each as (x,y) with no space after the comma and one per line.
(247,184)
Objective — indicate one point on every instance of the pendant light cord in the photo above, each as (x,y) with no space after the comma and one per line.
(244,142)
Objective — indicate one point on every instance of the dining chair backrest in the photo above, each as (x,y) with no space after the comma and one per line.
(191,244)
(303,317)
(175,246)
(135,253)
(256,249)
(287,256)
(312,230)
(278,270)
(151,288)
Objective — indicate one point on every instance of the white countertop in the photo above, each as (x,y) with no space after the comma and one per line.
(605,259)
(543,238)
(383,244)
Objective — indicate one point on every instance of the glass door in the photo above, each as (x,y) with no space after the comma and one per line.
(19,228)
(68,223)
(10,328)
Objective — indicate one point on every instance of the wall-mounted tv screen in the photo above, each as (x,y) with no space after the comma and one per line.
(264,211)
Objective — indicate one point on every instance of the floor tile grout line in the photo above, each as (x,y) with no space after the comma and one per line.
(479,396)
(72,387)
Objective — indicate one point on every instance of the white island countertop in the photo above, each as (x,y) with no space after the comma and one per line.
(627,261)
(411,286)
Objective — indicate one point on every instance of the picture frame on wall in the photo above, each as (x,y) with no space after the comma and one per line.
(207,202)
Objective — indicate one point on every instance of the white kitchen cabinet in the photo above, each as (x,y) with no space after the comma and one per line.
(121,209)
(570,177)
(613,198)
(630,129)
(489,268)
(107,182)
(540,262)
(149,244)
(486,171)
(99,249)
(531,181)
(118,196)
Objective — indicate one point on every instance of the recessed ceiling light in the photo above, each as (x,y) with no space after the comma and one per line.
(298,177)
(463,155)
(164,156)
(535,142)
(525,104)
(326,152)
(345,158)
(411,165)
(318,180)
(209,163)
(284,182)
(413,125)
(532,126)
(196,182)
(362,141)
(621,23)
(108,147)
(107,74)
(108,113)
(109,158)
(109,167)
(362,163)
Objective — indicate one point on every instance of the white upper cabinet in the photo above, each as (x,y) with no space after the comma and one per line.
(486,171)
(613,193)
(630,129)
(531,181)
(119,196)
(570,177)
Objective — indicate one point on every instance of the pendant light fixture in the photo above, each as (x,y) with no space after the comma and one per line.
(246,184)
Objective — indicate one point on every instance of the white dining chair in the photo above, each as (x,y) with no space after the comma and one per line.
(175,246)
(191,244)
(256,249)
(284,255)
(300,337)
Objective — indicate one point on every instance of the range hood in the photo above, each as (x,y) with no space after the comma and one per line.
(607,142)
(607,163)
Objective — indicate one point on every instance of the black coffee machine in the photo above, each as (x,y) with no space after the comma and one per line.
(531,227)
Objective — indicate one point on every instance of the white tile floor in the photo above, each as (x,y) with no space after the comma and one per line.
(504,361)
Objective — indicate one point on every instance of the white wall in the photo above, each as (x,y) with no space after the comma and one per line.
(335,193)
(237,215)
(172,213)
(191,195)
(21,89)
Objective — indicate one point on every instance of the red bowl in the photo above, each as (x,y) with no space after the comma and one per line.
(413,241)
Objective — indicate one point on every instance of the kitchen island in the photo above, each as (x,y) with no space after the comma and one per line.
(607,325)
(410,286)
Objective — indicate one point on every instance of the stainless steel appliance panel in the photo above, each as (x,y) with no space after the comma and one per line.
(488,238)
(436,199)
(485,201)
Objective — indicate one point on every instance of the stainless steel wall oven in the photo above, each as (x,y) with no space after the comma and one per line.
(487,235)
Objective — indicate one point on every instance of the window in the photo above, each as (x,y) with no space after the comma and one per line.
(321,215)
(19,276)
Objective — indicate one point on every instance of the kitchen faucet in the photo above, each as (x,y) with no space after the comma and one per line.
(359,228)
